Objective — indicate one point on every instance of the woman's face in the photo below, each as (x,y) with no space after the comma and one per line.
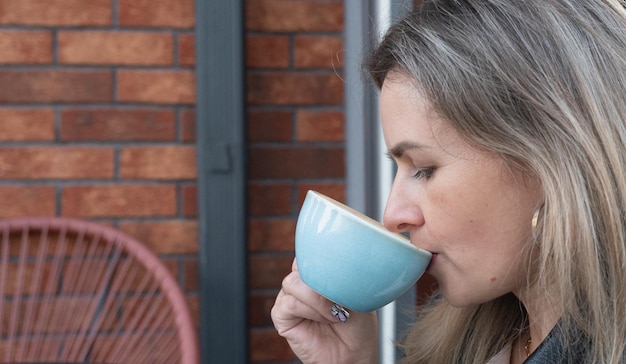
(460,203)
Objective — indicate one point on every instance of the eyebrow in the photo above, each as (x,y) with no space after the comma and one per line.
(399,149)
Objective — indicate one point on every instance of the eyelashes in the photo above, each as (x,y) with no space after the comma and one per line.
(423,173)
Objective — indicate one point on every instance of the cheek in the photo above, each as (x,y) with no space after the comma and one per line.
(451,222)
(465,222)
(459,209)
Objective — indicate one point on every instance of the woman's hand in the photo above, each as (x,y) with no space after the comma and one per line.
(304,318)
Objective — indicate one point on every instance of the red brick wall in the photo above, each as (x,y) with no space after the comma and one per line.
(97,119)
(296,139)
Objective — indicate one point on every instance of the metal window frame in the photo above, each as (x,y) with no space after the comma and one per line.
(221,152)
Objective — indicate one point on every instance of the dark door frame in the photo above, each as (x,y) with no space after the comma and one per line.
(221,162)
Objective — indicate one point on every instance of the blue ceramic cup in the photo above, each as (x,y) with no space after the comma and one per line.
(352,259)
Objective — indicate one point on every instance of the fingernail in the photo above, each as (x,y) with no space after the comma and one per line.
(340,313)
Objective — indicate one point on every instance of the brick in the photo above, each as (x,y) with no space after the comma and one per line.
(294,16)
(193,302)
(170,162)
(269,199)
(259,308)
(26,124)
(132,278)
(267,51)
(191,269)
(118,125)
(294,88)
(336,191)
(53,343)
(267,346)
(271,235)
(318,52)
(115,48)
(156,87)
(29,284)
(269,126)
(56,12)
(268,272)
(165,237)
(296,162)
(25,47)
(187,50)
(56,162)
(136,347)
(190,201)
(119,200)
(25,201)
(157,13)
(172,266)
(320,126)
(188,125)
(55,86)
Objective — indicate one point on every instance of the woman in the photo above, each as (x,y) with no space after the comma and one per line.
(507,121)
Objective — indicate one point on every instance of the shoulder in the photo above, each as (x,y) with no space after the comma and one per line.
(552,350)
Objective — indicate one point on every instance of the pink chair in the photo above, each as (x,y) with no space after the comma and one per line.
(73,291)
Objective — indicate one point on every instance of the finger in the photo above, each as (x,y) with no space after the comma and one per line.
(294,265)
(288,311)
(294,286)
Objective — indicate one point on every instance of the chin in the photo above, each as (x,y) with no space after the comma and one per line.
(457,303)
(460,299)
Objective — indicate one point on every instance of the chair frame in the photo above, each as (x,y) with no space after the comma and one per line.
(186,330)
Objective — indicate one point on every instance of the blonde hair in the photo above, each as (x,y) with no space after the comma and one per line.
(543,85)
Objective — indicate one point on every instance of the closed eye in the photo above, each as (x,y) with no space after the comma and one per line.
(425,173)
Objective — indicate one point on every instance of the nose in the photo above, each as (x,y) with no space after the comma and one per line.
(402,211)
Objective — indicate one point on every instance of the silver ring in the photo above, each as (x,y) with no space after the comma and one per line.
(340,313)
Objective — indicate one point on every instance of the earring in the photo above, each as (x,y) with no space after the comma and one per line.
(534,222)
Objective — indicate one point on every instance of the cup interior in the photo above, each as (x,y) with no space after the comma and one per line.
(358,217)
